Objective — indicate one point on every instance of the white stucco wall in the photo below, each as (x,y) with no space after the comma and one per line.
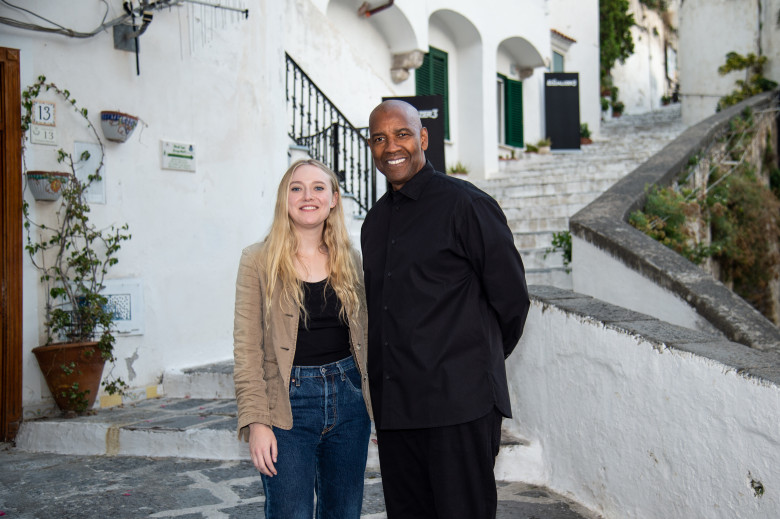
(353,70)
(636,430)
(579,19)
(598,274)
(188,228)
(770,39)
(710,29)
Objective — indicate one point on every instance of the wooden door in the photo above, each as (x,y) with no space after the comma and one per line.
(10,245)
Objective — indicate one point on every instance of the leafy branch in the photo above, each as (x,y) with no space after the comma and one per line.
(73,255)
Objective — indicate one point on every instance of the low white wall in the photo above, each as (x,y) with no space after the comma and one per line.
(598,274)
(638,430)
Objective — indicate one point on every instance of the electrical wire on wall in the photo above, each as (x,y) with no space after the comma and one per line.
(54,26)
(145,6)
(126,31)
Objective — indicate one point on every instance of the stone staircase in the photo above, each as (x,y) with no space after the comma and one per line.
(196,419)
(539,193)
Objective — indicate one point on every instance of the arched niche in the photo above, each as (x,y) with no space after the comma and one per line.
(389,35)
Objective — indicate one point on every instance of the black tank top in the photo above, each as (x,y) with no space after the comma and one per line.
(325,337)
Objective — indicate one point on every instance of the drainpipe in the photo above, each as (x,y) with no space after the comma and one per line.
(363,10)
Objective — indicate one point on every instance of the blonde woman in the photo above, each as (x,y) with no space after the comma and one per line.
(300,357)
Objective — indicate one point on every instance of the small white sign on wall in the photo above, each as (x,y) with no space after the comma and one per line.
(179,156)
(43,135)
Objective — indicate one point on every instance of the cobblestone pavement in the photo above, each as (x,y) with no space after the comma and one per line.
(49,486)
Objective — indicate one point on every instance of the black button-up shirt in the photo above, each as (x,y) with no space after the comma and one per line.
(447,302)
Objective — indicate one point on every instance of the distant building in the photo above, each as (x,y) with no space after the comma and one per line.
(650,74)
(709,30)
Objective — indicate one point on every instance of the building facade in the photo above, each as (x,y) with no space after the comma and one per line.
(221,82)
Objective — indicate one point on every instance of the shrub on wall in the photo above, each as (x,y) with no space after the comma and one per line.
(754,82)
(738,209)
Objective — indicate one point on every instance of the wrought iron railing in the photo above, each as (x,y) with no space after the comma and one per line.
(317,124)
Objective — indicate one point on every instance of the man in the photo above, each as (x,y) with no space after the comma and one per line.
(447,302)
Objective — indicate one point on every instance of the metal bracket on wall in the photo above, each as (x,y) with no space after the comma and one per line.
(124,38)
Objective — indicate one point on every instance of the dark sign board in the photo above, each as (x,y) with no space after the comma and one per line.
(431,110)
(562,109)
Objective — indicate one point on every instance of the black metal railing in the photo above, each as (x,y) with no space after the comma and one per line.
(317,124)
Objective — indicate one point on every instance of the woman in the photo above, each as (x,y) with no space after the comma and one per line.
(299,347)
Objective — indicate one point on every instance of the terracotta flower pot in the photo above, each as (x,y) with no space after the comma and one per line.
(117,126)
(47,185)
(84,366)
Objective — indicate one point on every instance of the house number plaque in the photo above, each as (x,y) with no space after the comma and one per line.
(43,113)
(42,127)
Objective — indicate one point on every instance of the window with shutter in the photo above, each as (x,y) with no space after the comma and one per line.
(431,78)
(513,102)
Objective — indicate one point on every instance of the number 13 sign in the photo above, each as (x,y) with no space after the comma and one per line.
(43,113)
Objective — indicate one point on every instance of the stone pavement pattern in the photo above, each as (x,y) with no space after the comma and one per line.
(54,486)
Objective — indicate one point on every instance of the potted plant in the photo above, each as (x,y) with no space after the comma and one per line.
(47,185)
(117,126)
(73,256)
(458,170)
(585,134)
(544,145)
(617,108)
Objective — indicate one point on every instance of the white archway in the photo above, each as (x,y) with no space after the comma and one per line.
(463,43)
(400,48)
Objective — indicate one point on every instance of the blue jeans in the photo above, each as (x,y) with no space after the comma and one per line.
(326,449)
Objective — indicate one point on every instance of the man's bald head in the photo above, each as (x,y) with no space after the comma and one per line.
(396,105)
(398,141)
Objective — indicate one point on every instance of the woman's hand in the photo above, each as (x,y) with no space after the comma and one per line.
(262,448)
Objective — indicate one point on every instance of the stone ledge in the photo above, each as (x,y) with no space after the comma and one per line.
(745,360)
(604,223)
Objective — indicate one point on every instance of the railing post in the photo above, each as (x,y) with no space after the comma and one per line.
(335,147)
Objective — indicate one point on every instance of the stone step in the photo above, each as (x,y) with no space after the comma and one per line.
(190,422)
(539,258)
(584,171)
(525,225)
(541,211)
(554,188)
(533,240)
(558,165)
(557,277)
(582,199)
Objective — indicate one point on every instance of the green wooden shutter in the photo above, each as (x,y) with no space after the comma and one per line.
(422,77)
(432,78)
(513,116)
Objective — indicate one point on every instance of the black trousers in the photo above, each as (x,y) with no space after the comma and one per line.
(441,472)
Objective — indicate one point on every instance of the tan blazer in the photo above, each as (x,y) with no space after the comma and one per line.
(264,355)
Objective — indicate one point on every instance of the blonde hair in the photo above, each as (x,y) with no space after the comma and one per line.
(281,246)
